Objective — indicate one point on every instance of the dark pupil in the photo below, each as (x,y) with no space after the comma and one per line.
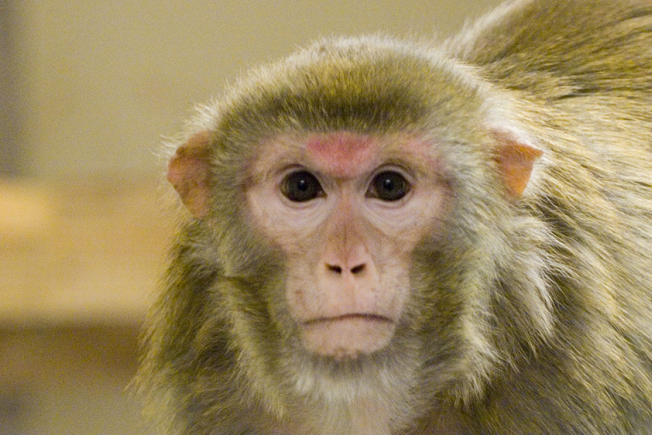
(390,186)
(301,186)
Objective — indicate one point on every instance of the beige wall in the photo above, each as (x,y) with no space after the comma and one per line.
(102,80)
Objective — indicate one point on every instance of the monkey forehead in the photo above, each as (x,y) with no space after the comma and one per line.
(342,155)
(348,155)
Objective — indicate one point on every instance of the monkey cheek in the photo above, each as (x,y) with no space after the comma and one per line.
(347,337)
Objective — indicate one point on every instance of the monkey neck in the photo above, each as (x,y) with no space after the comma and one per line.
(363,416)
(371,417)
(342,399)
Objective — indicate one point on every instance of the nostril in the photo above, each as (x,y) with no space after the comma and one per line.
(336,269)
(354,270)
(358,269)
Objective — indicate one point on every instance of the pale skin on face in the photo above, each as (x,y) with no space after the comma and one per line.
(348,250)
(348,247)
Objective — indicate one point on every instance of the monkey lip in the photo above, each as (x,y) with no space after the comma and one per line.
(347,336)
(344,317)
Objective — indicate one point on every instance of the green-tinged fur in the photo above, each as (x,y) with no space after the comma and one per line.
(529,316)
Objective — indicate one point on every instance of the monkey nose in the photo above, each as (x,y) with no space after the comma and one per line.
(355,270)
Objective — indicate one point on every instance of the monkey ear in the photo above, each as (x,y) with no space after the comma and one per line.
(515,161)
(189,173)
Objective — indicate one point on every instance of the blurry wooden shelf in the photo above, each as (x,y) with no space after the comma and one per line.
(88,251)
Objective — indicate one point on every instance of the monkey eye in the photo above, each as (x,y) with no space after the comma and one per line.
(301,186)
(389,186)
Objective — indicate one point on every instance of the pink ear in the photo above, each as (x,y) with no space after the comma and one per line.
(189,173)
(515,160)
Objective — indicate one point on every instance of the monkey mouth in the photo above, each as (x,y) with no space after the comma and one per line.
(343,317)
(347,336)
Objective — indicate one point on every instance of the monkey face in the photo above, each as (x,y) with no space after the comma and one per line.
(346,210)
(354,219)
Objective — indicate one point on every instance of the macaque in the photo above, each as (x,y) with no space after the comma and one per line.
(388,237)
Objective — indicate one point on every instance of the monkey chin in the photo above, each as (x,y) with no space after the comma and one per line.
(347,337)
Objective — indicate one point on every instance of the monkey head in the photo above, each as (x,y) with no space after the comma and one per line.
(353,195)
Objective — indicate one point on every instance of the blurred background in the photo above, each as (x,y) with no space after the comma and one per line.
(87,90)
